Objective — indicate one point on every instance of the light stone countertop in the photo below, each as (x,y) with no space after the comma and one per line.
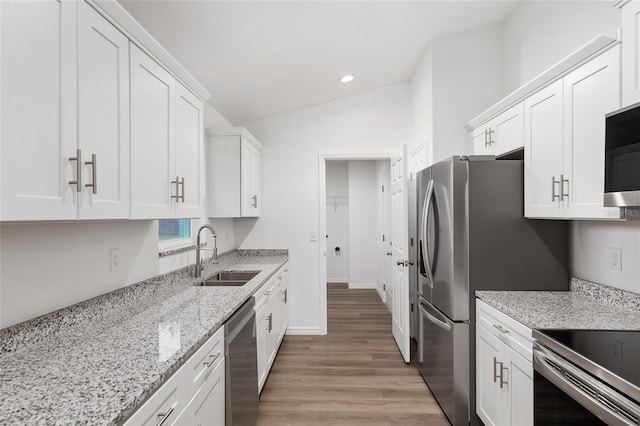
(586,306)
(98,361)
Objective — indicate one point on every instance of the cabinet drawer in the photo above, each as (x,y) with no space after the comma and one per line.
(204,361)
(164,405)
(511,332)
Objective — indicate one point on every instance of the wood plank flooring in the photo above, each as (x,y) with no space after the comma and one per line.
(354,375)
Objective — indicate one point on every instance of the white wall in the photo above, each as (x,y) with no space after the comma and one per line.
(47,266)
(540,33)
(458,78)
(591,243)
(363,231)
(373,122)
(337,222)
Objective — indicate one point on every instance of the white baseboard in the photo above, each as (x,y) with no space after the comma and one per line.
(362,285)
(304,331)
(337,280)
(381,294)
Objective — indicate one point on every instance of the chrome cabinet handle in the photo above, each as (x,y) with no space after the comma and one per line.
(486,139)
(553,188)
(212,359)
(501,328)
(94,174)
(502,381)
(164,417)
(78,160)
(491,141)
(255,201)
(270,322)
(497,376)
(181,183)
(562,193)
(176,183)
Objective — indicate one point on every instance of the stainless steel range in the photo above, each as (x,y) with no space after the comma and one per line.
(586,377)
(473,236)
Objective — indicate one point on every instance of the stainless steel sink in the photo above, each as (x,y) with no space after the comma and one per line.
(229,279)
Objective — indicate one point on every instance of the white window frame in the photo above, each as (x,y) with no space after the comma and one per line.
(181,242)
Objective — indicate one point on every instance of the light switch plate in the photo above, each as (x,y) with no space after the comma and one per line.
(114,260)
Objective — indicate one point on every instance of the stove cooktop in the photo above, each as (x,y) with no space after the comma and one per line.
(615,350)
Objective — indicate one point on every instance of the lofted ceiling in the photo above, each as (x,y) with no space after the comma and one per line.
(261,58)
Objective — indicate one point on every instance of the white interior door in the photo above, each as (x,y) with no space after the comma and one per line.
(400,253)
(386,245)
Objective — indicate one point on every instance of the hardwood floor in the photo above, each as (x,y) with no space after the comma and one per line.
(354,375)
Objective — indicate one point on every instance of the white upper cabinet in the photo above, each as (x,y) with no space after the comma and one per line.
(543,152)
(153,179)
(233,173)
(631,53)
(502,134)
(590,92)
(564,142)
(166,143)
(189,151)
(39,120)
(65,113)
(103,117)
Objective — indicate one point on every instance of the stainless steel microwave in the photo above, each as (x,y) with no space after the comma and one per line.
(622,158)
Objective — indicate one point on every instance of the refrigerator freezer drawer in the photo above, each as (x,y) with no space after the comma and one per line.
(443,361)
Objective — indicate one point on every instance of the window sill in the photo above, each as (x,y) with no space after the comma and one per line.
(170,250)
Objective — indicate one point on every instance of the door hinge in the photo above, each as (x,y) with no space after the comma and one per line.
(412,307)
(383,238)
(384,287)
(411,241)
(382,188)
(411,176)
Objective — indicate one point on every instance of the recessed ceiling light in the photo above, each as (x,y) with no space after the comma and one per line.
(346,78)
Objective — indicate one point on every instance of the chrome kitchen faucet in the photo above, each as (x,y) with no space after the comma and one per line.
(214,254)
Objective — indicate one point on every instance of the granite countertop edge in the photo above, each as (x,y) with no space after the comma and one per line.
(153,293)
(586,305)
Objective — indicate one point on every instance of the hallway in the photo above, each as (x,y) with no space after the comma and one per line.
(354,375)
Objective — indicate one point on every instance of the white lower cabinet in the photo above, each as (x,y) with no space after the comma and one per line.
(194,395)
(504,371)
(272,318)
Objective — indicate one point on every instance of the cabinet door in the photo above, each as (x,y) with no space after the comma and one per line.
(490,401)
(207,407)
(153,187)
(480,141)
(189,148)
(38,60)
(272,333)
(262,326)
(508,130)
(590,92)
(631,53)
(256,181)
(543,152)
(246,208)
(519,388)
(103,116)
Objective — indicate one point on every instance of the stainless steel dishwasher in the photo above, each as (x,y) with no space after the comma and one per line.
(241,384)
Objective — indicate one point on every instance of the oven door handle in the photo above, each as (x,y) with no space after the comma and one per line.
(603,401)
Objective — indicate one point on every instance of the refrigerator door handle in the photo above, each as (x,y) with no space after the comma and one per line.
(443,324)
(424,237)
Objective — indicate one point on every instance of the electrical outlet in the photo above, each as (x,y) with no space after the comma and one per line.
(114,260)
(313,236)
(615,258)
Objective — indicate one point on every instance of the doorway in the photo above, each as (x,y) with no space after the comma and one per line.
(352,222)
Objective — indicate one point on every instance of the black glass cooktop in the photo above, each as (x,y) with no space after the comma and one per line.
(616,351)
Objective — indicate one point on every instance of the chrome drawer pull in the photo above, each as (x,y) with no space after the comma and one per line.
(164,417)
(212,359)
(94,174)
(501,329)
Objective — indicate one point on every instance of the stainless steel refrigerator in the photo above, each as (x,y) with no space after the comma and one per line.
(472,235)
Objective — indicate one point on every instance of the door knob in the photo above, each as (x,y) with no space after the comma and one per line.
(400,262)
(388,253)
